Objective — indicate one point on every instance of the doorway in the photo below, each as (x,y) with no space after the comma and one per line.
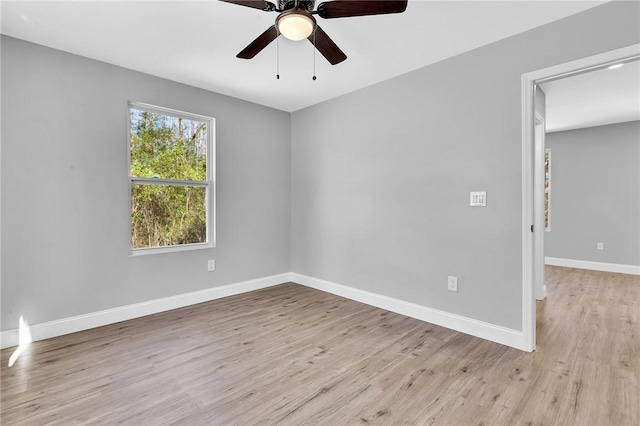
(533,177)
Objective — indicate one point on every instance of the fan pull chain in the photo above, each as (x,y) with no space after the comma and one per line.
(314,55)
(277,57)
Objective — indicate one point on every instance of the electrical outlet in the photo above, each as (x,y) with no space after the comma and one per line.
(211,265)
(452,283)
(600,246)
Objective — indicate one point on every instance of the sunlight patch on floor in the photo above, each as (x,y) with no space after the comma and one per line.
(24,338)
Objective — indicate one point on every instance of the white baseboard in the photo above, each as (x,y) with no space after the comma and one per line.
(495,333)
(594,266)
(110,316)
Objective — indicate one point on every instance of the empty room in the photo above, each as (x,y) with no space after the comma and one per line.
(206,219)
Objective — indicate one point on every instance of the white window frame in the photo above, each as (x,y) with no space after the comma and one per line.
(209,183)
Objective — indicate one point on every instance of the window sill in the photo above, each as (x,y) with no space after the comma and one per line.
(170,249)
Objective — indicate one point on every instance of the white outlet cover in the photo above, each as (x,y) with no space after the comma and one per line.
(452,283)
(211,265)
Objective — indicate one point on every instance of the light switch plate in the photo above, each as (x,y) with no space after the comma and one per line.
(478,199)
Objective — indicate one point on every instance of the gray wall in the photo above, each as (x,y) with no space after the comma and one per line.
(595,194)
(381,177)
(65,218)
(377,197)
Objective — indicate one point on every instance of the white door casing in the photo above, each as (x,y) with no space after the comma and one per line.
(538,207)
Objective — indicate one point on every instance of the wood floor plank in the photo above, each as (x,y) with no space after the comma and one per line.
(291,355)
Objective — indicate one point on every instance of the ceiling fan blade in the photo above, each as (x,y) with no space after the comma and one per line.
(345,8)
(259,43)
(326,46)
(256,4)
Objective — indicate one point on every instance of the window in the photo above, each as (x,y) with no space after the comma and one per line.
(170,179)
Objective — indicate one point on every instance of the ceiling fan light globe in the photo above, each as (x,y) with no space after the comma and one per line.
(296,26)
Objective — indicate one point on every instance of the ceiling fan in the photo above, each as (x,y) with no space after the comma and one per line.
(296,22)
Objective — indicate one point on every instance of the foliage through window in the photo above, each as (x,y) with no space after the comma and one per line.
(170,173)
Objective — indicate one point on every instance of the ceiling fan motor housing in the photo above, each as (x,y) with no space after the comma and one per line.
(301,4)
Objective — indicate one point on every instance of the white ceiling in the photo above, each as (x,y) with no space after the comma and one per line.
(195,42)
(595,98)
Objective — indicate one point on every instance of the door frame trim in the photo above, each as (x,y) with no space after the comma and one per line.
(529,81)
(539,148)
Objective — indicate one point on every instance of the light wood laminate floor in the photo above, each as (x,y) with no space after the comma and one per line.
(292,355)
